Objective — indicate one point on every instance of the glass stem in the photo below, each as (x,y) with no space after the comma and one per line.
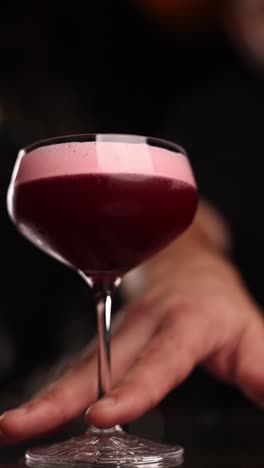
(103,297)
(104,309)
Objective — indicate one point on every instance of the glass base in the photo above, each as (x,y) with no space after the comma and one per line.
(109,447)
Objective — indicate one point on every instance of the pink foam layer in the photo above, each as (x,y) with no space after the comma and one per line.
(103,157)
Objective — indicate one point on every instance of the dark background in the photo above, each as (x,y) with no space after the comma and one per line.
(114,68)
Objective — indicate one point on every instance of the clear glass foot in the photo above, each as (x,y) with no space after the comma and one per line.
(112,447)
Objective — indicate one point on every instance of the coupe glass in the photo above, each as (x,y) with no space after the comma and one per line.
(102,204)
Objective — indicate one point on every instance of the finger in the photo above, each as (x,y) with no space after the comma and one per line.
(57,405)
(76,389)
(168,359)
(238,360)
(248,371)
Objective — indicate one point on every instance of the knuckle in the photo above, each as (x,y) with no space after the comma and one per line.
(152,389)
(178,308)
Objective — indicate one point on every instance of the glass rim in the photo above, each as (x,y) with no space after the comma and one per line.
(106,137)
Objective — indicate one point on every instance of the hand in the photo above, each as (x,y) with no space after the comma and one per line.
(194,310)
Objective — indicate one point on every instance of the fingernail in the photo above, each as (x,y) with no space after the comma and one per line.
(104,403)
(3,415)
(20,411)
